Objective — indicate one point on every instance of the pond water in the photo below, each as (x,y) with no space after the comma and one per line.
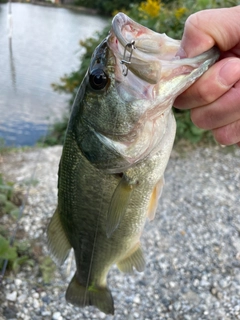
(44,47)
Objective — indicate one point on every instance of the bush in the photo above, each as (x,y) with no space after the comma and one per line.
(106,6)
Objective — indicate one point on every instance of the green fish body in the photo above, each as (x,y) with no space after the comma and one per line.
(117,146)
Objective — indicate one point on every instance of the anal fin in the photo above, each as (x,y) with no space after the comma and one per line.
(58,243)
(134,259)
(82,296)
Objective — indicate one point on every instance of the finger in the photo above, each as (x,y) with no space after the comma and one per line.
(207,28)
(221,112)
(229,134)
(212,84)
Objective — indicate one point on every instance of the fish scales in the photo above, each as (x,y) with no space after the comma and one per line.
(117,145)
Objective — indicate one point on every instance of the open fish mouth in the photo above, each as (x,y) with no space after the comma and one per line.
(149,55)
(148,76)
(145,76)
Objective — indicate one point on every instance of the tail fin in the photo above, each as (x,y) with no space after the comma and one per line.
(81,296)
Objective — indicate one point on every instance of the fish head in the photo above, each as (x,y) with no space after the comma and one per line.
(148,67)
(134,76)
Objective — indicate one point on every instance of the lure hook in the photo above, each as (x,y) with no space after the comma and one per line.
(126,61)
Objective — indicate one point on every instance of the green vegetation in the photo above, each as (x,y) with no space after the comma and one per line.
(168,17)
(107,6)
(17,250)
(16,254)
(47,268)
(9,200)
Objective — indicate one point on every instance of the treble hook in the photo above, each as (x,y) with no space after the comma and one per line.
(126,61)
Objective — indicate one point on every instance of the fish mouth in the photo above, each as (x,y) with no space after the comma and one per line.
(150,56)
(146,41)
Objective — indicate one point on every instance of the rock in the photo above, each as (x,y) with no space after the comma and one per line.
(102,315)
(12,296)
(9,312)
(18,282)
(57,316)
(46,313)
(136,299)
(177,305)
(22,298)
(36,304)
(223,283)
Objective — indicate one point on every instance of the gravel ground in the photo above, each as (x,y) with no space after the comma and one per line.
(192,247)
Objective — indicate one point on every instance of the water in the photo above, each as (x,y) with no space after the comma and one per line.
(44,47)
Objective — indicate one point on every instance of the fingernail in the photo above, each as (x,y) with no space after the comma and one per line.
(230,72)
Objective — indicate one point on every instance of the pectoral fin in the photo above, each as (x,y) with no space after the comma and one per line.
(156,194)
(135,259)
(118,205)
(58,243)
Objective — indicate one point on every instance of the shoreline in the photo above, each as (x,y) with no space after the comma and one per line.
(58,5)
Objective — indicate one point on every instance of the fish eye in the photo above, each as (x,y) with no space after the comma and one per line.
(98,79)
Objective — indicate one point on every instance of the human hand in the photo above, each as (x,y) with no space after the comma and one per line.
(214,99)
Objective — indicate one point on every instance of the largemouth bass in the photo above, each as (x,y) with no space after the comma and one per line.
(118,142)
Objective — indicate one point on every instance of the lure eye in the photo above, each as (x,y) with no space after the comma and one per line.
(98,79)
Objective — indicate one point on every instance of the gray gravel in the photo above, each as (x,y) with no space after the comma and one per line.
(192,247)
